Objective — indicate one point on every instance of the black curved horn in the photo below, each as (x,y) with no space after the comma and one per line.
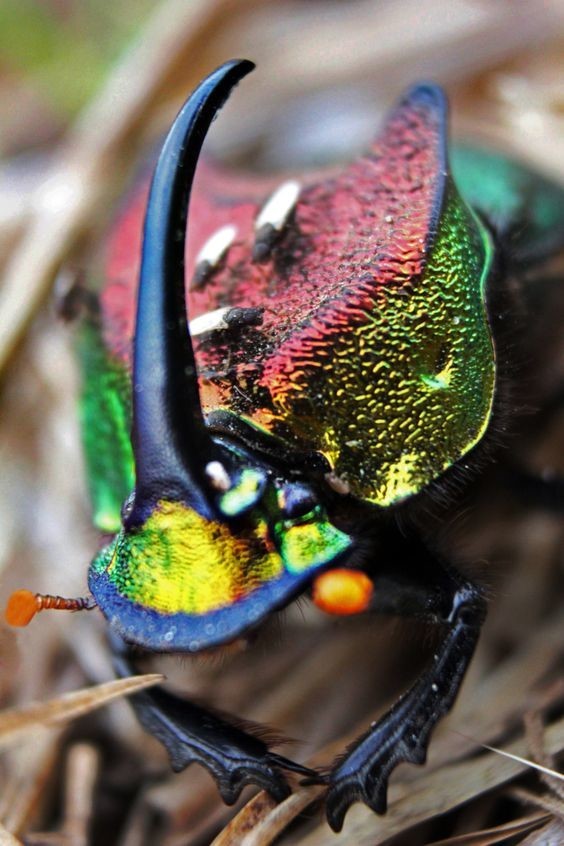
(170,441)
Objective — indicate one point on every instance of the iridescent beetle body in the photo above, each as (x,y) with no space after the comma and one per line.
(341,350)
(371,337)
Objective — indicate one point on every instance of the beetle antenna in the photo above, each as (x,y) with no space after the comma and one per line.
(23,605)
(171,444)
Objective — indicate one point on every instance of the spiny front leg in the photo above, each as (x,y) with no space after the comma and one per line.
(403,733)
(192,734)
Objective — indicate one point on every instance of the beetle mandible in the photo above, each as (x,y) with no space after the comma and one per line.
(339,365)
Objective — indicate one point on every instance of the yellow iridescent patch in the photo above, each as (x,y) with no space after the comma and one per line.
(180,562)
(399,397)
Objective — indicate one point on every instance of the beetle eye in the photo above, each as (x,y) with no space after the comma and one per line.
(296,501)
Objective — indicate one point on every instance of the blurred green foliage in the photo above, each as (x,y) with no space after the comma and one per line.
(63,48)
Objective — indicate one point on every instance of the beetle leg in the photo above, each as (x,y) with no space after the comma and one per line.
(73,298)
(403,733)
(193,734)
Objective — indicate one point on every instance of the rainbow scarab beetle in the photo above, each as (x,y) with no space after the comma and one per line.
(339,366)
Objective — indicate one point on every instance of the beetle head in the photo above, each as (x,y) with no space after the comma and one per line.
(212,538)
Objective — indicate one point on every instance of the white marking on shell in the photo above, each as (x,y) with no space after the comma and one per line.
(218,476)
(279,206)
(211,321)
(217,245)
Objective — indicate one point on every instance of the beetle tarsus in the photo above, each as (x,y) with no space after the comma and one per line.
(309,776)
(403,733)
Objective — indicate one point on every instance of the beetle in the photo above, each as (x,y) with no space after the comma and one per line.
(341,366)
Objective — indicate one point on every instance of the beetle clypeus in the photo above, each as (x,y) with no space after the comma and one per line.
(339,365)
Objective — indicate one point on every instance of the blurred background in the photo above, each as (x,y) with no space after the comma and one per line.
(86,88)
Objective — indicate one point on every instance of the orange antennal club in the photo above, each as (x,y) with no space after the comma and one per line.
(23,605)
